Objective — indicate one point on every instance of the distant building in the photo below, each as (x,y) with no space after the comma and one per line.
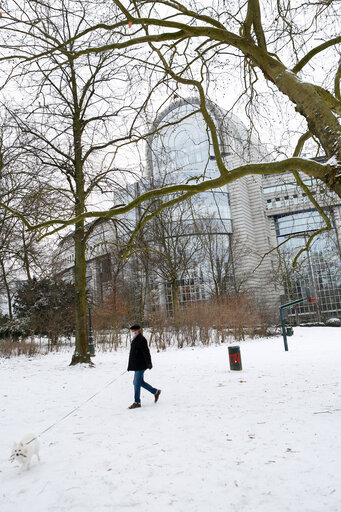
(183,153)
(247,220)
(293,219)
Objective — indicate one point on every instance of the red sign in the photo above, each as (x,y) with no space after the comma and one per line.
(235,358)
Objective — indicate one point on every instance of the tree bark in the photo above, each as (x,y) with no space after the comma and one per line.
(82,353)
(25,259)
(175,298)
(8,291)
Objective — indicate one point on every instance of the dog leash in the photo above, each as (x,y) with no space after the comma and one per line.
(76,408)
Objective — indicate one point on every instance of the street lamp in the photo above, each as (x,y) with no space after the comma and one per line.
(91,338)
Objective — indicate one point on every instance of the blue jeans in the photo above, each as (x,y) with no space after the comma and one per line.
(140,383)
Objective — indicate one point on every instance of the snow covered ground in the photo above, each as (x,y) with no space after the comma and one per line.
(264,439)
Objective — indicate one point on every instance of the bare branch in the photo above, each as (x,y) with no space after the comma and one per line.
(315,51)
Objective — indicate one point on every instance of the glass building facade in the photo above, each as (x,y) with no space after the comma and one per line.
(215,242)
(182,153)
(319,267)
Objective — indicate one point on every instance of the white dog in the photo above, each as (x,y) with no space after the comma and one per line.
(24,451)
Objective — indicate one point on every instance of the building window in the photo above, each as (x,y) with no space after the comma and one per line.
(320,266)
(301,222)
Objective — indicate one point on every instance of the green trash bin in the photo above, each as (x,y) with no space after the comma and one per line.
(235,358)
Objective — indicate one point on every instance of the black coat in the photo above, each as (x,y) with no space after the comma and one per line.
(139,356)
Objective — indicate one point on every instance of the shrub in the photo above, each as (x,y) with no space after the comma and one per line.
(225,319)
(15,329)
(17,348)
(45,307)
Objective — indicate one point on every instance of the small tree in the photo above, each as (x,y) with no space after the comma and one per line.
(47,307)
(175,250)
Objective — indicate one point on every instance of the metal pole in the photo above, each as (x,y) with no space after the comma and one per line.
(91,338)
(292,303)
(283,329)
(281,308)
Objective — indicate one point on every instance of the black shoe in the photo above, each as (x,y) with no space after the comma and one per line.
(157,394)
(134,406)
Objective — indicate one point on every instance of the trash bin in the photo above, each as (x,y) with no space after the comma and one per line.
(290,331)
(235,358)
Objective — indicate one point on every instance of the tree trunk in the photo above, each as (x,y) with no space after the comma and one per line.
(8,291)
(81,354)
(25,259)
(175,298)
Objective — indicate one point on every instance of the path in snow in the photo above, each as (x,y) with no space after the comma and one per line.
(264,439)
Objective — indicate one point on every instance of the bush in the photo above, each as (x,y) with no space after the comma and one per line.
(15,329)
(16,348)
(333,322)
(45,307)
(225,319)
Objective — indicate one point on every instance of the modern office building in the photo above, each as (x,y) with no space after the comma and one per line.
(293,219)
(226,240)
(181,152)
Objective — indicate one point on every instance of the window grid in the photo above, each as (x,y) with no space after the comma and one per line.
(320,267)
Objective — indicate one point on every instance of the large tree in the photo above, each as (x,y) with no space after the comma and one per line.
(188,41)
(269,40)
(68,110)
(279,62)
(197,48)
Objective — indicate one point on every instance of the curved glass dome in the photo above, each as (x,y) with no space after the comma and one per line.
(182,152)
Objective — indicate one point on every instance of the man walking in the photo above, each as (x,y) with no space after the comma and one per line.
(139,361)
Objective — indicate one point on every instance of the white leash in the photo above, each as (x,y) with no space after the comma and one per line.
(76,408)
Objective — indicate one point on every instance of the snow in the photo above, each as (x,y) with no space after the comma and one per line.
(332,161)
(262,439)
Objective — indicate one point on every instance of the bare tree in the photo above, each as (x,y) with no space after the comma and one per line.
(270,42)
(66,116)
(20,255)
(175,252)
(180,48)
(217,248)
(184,46)
(318,268)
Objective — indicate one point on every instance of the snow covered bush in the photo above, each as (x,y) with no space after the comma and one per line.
(333,322)
(46,307)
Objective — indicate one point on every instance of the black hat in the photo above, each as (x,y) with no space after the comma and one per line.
(135,327)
